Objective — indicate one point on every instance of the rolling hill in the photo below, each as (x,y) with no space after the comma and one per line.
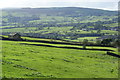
(52,43)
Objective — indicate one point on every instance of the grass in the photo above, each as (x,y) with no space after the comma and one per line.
(30,61)
(89,38)
(60,20)
(19,29)
(78,46)
(109,31)
(5,26)
(42,39)
(63,45)
(111,25)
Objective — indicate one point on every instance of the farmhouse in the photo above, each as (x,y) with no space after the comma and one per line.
(14,36)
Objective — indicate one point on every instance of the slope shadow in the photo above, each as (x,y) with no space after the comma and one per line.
(66,43)
(66,47)
(112,54)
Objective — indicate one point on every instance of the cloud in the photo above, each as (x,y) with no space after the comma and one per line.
(11,3)
(76,0)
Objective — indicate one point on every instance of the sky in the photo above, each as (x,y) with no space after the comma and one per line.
(99,4)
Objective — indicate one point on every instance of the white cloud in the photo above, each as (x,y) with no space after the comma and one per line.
(11,3)
(115,7)
(77,0)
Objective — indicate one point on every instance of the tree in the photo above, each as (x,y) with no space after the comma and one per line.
(98,42)
(85,42)
(99,31)
(92,32)
(106,41)
(116,43)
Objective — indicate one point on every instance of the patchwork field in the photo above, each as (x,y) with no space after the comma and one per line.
(66,23)
(36,60)
(59,42)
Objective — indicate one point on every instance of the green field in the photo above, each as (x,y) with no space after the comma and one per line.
(32,61)
(66,23)
(68,42)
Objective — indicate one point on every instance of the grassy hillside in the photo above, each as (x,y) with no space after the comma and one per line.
(52,43)
(23,60)
(59,10)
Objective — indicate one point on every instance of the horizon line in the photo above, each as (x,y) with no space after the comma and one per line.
(55,7)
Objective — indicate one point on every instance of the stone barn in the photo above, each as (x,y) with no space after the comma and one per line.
(15,36)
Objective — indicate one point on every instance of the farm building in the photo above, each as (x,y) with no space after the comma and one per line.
(15,36)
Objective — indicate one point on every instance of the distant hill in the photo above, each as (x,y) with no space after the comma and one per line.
(62,11)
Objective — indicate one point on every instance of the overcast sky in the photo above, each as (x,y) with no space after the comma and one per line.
(99,4)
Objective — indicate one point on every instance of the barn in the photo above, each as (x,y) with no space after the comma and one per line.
(14,36)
